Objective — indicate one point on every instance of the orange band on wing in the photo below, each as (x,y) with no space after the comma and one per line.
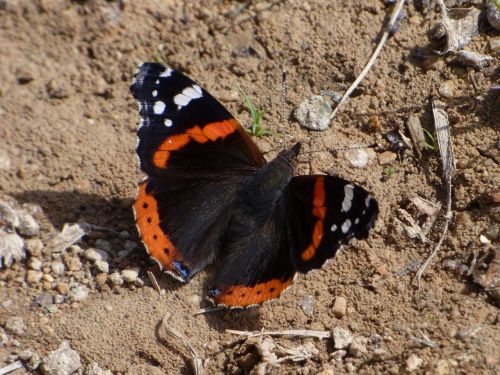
(319,212)
(147,220)
(242,296)
(210,132)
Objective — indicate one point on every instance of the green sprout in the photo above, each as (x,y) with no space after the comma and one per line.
(157,57)
(256,114)
(432,145)
(389,171)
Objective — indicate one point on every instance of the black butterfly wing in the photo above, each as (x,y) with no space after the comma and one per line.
(184,130)
(325,213)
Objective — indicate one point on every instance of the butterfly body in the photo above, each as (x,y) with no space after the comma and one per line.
(210,196)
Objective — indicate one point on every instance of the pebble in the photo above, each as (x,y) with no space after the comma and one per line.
(339,307)
(351,369)
(26,355)
(15,325)
(35,264)
(34,246)
(62,288)
(27,227)
(102,245)
(130,246)
(34,277)
(4,338)
(4,160)
(386,158)
(307,305)
(359,157)
(493,14)
(314,113)
(102,266)
(78,293)
(58,299)
(101,278)
(95,255)
(11,247)
(413,363)
(47,278)
(446,89)
(358,346)
(115,279)
(57,268)
(94,369)
(74,264)
(466,333)
(338,355)
(130,274)
(44,299)
(62,361)
(341,338)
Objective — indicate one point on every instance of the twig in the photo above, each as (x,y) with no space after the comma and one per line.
(387,32)
(209,309)
(408,267)
(424,340)
(196,359)
(12,367)
(154,283)
(448,163)
(291,332)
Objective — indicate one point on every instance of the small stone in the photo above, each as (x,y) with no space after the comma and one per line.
(34,277)
(24,75)
(4,338)
(52,309)
(4,160)
(34,247)
(359,157)
(116,279)
(351,369)
(139,282)
(78,293)
(15,325)
(26,355)
(62,361)
(387,158)
(446,89)
(11,247)
(468,332)
(101,278)
(47,278)
(94,369)
(495,45)
(130,246)
(340,307)
(58,299)
(44,299)
(379,354)
(358,346)
(57,268)
(95,255)
(341,338)
(413,363)
(314,113)
(62,288)
(59,89)
(74,264)
(441,368)
(129,275)
(307,305)
(34,362)
(102,245)
(493,14)
(124,234)
(35,264)
(338,355)
(27,226)
(102,266)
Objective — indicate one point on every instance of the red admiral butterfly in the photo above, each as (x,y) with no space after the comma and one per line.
(211,196)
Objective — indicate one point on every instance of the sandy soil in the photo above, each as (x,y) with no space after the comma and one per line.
(68,122)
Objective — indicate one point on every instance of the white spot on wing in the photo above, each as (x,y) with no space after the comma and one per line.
(368,201)
(155,93)
(192,93)
(159,107)
(167,122)
(346,226)
(166,73)
(356,221)
(157,82)
(188,94)
(333,228)
(181,100)
(348,196)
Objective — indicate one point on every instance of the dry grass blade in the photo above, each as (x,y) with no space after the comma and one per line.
(208,310)
(154,282)
(196,359)
(416,134)
(291,332)
(387,32)
(442,126)
(10,368)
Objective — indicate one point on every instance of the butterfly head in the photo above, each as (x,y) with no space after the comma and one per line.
(290,156)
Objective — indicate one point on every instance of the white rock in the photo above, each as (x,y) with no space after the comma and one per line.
(314,113)
(116,279)
(11,247)
(78,293)
(4,160)
(102,266)
(58,268)
(341,338)
(339,307)
(307,305)
(129,275)
(4,338)
(94,369)
(413,362)
(27,227)
(358,346)
(34,277)
(62,361)
(360,157)
(35,264)
(94,255)
(338,355)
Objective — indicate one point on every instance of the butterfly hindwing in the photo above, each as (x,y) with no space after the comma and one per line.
(184,130)
(325,213)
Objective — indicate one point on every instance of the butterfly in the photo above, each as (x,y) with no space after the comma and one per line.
(209,196)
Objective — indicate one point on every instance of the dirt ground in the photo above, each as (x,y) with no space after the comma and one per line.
(68,122)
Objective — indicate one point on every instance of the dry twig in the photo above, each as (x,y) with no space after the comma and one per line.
(291,332)
(12,367)
(448,163)
(387,32)
(196,359)
(154,282)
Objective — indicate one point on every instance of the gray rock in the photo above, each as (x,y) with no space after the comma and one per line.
(27,227)
(44,299)
(338,355)
(15,325)
(62,361)
(314,113)
(102,266)
(102,244)
(341,338)
(307,305)
(94,255)
(11,247)
(35,264)
(413,363)
(94,369)
(58,268)
(116,279)
(357,348)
